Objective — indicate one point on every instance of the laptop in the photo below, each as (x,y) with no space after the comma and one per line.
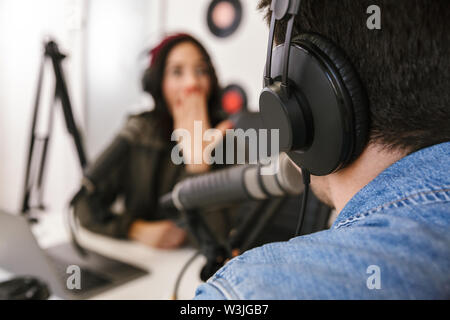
(59,266)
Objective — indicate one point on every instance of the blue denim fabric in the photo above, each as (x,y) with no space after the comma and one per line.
(399,223)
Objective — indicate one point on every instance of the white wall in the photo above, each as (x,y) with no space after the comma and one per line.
(105,39)
(23,25)
(117,38)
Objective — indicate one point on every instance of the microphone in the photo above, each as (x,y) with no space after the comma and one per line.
(245,182)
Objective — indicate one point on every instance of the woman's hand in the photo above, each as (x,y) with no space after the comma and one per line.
(162,234)
(192,106)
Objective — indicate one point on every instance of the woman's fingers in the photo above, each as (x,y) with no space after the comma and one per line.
(224,126)
(190,107)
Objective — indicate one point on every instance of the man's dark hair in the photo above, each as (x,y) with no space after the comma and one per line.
(152,80)
(404,66)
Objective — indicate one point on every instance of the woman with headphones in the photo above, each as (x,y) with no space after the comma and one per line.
(184,86)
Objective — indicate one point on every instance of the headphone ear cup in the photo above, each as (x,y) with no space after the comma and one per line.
(352,84)
(147,81)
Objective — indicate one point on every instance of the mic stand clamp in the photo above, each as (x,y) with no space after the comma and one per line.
(216,253)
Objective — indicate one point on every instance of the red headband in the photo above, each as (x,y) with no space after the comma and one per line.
(156,50)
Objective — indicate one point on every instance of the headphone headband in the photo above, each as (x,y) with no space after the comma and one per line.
(313,96)
(280,8)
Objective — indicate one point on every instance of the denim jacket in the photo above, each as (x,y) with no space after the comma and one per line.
(391,241)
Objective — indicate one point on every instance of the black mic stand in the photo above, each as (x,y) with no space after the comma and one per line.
(215,252)
(240,239)
(61,93)
(256,217)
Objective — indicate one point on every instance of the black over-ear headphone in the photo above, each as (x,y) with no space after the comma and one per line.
(314,96)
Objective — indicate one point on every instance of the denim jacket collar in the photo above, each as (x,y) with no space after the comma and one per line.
(413,179)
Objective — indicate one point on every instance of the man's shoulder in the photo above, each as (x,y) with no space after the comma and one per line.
(391,241)
(298,269)
(339,264)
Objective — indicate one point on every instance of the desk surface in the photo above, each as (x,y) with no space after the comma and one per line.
(163,265)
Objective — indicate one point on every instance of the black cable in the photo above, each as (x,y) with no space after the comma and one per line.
(72,225)
(180,275)
(306,180)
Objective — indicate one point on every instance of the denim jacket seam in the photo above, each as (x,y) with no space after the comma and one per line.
(349,221)
(221,285)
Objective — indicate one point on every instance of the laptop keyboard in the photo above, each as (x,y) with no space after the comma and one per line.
(89,280)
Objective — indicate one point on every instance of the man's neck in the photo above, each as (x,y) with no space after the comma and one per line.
(345,183)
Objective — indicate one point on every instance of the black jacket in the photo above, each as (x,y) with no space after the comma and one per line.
(131,190)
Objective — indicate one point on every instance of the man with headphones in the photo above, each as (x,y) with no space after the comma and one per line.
(366,114)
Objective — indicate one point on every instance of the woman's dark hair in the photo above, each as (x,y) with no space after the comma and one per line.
(153,75)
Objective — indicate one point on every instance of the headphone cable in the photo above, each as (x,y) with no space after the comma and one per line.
(306,181)
(180,275)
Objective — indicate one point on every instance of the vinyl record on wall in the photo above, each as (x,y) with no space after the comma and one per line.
(234,99)
(224,17)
